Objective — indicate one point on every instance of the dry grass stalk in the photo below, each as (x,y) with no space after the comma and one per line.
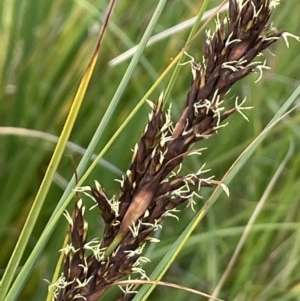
(153,187)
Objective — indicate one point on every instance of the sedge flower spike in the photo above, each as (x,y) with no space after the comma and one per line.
(155,184)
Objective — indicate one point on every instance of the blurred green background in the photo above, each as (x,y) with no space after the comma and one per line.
(45,48)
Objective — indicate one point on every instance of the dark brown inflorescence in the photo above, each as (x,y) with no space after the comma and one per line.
(153,186)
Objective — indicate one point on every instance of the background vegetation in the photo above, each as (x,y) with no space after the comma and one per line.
(45,48)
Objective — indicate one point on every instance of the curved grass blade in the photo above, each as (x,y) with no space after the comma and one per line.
(23,132)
